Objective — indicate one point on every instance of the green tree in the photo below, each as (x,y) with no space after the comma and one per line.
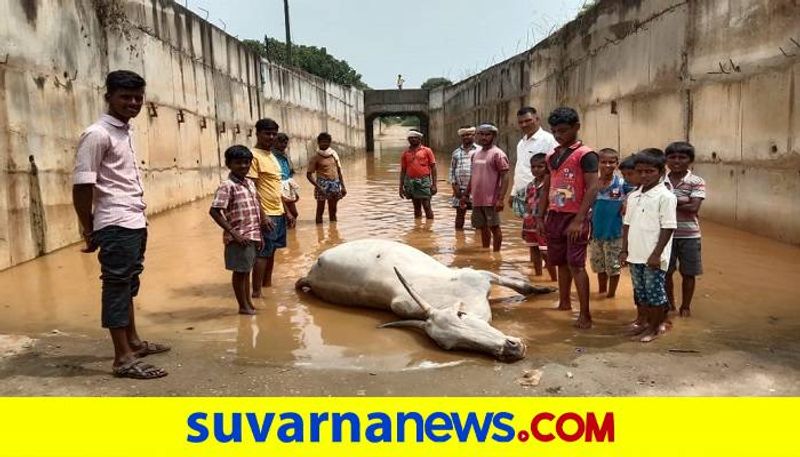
(433,83)
(312,59)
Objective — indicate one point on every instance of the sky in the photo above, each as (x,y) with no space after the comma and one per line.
(416,38)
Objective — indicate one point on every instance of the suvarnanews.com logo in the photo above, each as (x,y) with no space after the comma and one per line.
(400,427)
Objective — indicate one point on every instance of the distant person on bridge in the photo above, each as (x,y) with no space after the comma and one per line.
(488,186)
(400,81)
(460,172)
(418,175)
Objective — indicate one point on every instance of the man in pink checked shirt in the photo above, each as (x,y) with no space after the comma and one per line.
(107,195)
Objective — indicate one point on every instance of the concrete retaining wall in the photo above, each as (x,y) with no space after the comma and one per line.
(720,73)
(53,59)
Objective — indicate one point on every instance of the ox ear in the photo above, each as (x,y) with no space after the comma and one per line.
(408,323)
(414,294)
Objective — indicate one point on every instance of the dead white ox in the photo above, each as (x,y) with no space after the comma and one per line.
(450,304)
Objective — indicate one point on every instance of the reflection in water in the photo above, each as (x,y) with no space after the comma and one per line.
(186,292)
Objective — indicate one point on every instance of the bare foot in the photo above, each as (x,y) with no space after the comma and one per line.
(247,311)
(256,294)
(648,337)
(685,312)
(318,221)
(583,323)
(638,330)
(672,308)
(563,307)
(611,295)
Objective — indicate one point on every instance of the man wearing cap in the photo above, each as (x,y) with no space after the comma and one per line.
(487,186)
(418,175)
(461,170)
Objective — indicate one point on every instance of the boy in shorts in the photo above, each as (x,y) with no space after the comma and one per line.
(236,209)
(329,182)
(606,241)
(690,190)
(530,234)
(646,243)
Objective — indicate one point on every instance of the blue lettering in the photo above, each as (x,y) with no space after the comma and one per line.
(431,427)
(316,424)
(193,421)
(236,428)
(402,418)
(260,431)
(384,425)
(497,422)
(355,427)
(471,423)
(295,426)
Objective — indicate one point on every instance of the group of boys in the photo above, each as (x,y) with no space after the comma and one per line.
(571,199)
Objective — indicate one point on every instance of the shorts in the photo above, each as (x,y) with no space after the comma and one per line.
(605,256)
(648,285)
(484,216)
(417,188)
(275,238)
(327,189)
(240,258)
(560,249)
(121,262)
(686,257)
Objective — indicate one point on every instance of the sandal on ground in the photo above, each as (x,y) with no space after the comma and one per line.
(148,348)
(138,370)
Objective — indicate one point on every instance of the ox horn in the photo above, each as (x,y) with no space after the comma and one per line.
(409,323)
(417,298)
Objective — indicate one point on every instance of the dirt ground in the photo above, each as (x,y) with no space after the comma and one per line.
(741,340)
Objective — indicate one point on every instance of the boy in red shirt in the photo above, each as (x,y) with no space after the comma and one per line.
(418,175)
(569,191)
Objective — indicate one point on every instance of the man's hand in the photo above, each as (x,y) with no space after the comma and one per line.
(540,226)
(574,229)
(267,224)
(289,219)
(344,191)
(623,258)
(499,206)
(237,237)
(402,194)
(511,200)
(90,246)
(654,261)
(434,189)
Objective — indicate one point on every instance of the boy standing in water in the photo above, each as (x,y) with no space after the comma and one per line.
(646,243)
(289,187)
(488,186)
(461,170)
(531,236)
(606,241)
(418,175)
(570,189)
(237,211)
(329,182)
(690,190)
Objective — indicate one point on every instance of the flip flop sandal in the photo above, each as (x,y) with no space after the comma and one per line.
(149,348)
(139,370)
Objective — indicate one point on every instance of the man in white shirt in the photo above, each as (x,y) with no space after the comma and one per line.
(535,140)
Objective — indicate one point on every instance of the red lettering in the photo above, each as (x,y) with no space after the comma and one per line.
(604,432)
(543,437)
(564,435)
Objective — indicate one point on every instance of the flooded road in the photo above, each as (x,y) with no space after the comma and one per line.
(747,300)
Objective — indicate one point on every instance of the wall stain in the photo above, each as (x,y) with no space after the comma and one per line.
(31,8)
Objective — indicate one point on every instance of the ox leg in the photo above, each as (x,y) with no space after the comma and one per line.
(518,285)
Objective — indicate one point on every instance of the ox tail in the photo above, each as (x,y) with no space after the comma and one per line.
(518,285)
(303,284)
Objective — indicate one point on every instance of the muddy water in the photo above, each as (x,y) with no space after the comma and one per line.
(746,300)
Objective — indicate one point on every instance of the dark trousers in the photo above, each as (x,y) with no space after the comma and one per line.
(121,262)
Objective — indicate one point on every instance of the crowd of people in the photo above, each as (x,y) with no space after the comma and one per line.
(570,197)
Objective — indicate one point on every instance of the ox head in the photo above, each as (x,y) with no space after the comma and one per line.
(453,328)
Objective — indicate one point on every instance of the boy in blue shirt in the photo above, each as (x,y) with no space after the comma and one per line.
(606,243)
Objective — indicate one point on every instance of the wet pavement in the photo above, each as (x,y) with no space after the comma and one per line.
(745,303)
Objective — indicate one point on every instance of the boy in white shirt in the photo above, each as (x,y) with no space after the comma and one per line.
(650,220)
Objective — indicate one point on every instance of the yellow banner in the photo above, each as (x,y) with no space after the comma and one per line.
(377,427)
